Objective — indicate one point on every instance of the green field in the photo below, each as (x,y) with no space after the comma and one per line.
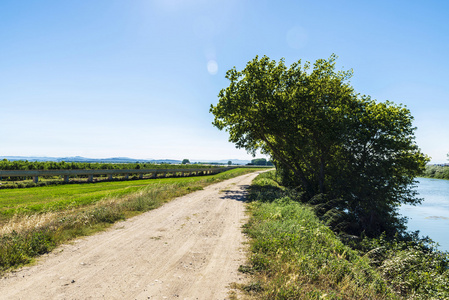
(61,197)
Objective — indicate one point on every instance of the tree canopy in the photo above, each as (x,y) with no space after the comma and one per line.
(259,162)
(353,157)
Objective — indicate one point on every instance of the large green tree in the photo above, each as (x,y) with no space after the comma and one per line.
(353,157)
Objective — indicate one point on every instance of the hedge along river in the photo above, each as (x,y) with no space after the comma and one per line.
(431,217)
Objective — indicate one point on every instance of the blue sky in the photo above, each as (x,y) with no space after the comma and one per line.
(136,78)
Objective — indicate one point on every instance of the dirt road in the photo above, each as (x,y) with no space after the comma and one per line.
(190,248)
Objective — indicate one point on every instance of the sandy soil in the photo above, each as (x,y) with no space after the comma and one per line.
(190,248)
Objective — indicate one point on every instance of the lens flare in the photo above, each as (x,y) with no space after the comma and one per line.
(212,67)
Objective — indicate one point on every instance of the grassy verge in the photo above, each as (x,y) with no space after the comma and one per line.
(294,256)
(61,213)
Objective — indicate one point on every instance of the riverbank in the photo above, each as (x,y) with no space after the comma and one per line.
(437,172)
(295,256)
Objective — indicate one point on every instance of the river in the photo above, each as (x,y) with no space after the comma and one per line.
(431,218)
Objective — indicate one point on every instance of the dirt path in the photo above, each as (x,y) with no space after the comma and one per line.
(190,248)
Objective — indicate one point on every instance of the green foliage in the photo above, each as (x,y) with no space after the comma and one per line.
(185,161)
(413,266)
(18,249)
(436,171)
(259,162)
(423,274)
(325,138)
(51,165)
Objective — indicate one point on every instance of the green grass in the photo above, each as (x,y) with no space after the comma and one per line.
(294,256)
(39,219)
(60,197)
(438,172)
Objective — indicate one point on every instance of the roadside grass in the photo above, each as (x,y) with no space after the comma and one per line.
(39,219)
(294,256)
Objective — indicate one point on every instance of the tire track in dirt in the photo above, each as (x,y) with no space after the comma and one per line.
(190,248)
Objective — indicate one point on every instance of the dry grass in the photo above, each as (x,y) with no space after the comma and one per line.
(21,223)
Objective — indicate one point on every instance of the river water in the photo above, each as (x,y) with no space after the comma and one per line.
(431,217)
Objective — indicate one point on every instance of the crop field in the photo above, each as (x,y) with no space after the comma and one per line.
(51,198)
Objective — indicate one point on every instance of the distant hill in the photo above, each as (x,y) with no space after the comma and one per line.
(118,160)
(224,161)
(29,158)
(91,160)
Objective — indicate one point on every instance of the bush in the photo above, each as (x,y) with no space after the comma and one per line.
(18,249)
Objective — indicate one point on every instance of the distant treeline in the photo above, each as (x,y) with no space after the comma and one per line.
(260,162)
(51,165)
(436,171)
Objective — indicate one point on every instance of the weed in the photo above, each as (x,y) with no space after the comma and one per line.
(246,269)
(194,188)
(253,287)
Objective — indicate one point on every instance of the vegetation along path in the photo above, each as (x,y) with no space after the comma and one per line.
(190,248)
